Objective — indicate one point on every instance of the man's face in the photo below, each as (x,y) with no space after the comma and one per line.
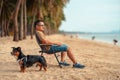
(40,26)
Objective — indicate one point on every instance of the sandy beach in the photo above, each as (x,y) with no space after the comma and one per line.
(102,60)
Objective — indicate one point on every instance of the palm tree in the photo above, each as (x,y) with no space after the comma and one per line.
(21,22)
(6,9)
(25,20)
(35,9)
(16,33)
(55,14)
(1,6)
(49,10)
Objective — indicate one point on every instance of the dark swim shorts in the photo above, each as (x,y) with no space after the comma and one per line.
(56,48)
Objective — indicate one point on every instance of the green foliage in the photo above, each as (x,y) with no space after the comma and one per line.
(51,11)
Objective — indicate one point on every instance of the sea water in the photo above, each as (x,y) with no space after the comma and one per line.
(103,37)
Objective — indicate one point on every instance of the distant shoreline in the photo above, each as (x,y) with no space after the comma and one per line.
(99,37)
(107,38)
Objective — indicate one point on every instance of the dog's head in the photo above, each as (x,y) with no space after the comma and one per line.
(16,51)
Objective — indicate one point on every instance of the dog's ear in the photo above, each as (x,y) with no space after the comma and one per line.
(19,48)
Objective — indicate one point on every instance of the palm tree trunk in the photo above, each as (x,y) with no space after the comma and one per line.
(1,6)
(32,28)
(25,21)
(8,23)
(39,13)
(8,27)
(16,33)
(2,32)
(48,31)
(5,27)
(21,20)
(2,29)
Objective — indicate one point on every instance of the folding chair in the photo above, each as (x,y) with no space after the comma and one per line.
(44,50)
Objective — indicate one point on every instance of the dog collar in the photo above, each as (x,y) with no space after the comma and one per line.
(22,59)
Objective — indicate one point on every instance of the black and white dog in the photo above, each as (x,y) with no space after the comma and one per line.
(29,60)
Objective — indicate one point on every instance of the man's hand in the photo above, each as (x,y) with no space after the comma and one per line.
(50,42)
(58,43)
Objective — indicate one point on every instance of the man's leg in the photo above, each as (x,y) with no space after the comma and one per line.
(71,56)
(63,54)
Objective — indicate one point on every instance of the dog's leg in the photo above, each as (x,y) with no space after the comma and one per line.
(40,65)
(45,68)
(22,69)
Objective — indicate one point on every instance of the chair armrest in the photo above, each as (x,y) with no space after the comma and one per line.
(45,44)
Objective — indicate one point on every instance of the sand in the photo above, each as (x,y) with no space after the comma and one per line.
(102,60)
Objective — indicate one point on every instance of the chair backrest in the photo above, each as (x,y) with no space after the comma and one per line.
(39,42)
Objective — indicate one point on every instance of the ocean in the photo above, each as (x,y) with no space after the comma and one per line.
(103,37)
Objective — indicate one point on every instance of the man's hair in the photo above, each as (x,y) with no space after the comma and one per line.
(36,22)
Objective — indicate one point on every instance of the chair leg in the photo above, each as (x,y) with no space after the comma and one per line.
(57,60)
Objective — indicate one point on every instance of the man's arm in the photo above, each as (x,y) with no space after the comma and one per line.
(46,41)
(50,42)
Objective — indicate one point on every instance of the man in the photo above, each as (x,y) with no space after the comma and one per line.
(56,46)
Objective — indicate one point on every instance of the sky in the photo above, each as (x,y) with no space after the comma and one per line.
(92,16)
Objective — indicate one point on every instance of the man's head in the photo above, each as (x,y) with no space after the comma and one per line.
(39,25)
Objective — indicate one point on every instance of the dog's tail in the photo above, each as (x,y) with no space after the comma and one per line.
(44,62)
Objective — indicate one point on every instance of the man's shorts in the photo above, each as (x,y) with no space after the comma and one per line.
(56,48)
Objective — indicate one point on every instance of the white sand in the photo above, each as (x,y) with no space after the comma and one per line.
(102,61)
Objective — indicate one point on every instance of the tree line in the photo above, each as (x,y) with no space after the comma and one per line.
(17,16)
